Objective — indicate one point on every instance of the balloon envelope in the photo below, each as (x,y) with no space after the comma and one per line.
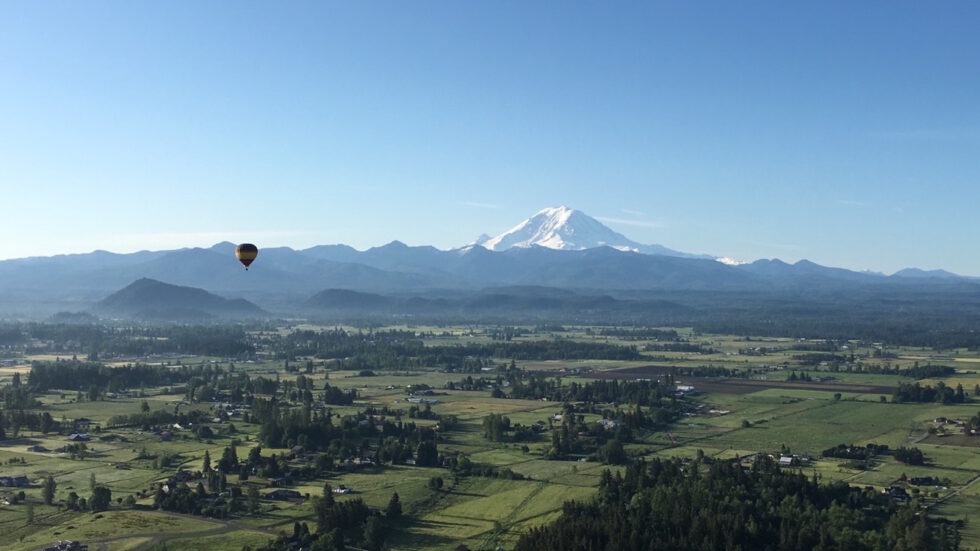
(246,253)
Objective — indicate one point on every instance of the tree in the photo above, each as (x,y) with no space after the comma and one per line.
(206,467)
(614,453)
(374,534)
(394,509)
(229,459)
(145,407)
(29,512)
(91,481)
(101,498)
(328,500)
(48,490)
(426,454)
(253,499)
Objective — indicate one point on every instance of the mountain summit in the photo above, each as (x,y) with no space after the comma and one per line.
(566,229)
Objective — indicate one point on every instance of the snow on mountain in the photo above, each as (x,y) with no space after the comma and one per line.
(560,228)
(729,261)
(567,229)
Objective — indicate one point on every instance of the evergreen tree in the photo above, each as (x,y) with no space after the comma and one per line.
(394,509)
(48,490)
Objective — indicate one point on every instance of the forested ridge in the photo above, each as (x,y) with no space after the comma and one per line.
(667,504)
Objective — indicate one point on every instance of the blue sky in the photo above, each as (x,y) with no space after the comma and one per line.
(846,133)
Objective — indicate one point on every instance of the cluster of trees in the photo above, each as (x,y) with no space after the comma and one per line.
(692,348)
(381,350)
(356,435)
(230,341)
(860,453)
(495,427)
(636,333)
(665,504)
(469,383)
(335,396)
(910,456)
(817,358)
(462,466)
(644,393)
(342,523)
(916,392)
(75,374)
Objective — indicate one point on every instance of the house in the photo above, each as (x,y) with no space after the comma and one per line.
(82,423)
(20,481)
(608,424)
(279,481)
(786,461)
(924,481)
(78,437)
(283,495)
(184,476)
(409,461)
(67,545)
(897,493)
(295,452)
(341,489)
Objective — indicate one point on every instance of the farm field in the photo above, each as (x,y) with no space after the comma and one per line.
(740,406)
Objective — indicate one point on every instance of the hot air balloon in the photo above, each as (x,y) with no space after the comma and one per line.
(246,253)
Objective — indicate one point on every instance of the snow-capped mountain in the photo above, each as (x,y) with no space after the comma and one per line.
(729,261)
(567,229)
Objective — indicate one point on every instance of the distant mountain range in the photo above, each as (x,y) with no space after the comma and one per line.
(556,249)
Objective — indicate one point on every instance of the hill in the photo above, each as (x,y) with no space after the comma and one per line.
(149,299)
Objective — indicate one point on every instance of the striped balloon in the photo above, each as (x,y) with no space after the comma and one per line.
(246,253)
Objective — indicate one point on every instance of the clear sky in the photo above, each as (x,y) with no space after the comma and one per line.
(847,133)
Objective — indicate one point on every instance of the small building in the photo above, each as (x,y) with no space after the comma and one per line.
(37,448)
(78,437)
(341,489)
(786,461)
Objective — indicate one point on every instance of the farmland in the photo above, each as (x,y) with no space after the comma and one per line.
(720,397)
